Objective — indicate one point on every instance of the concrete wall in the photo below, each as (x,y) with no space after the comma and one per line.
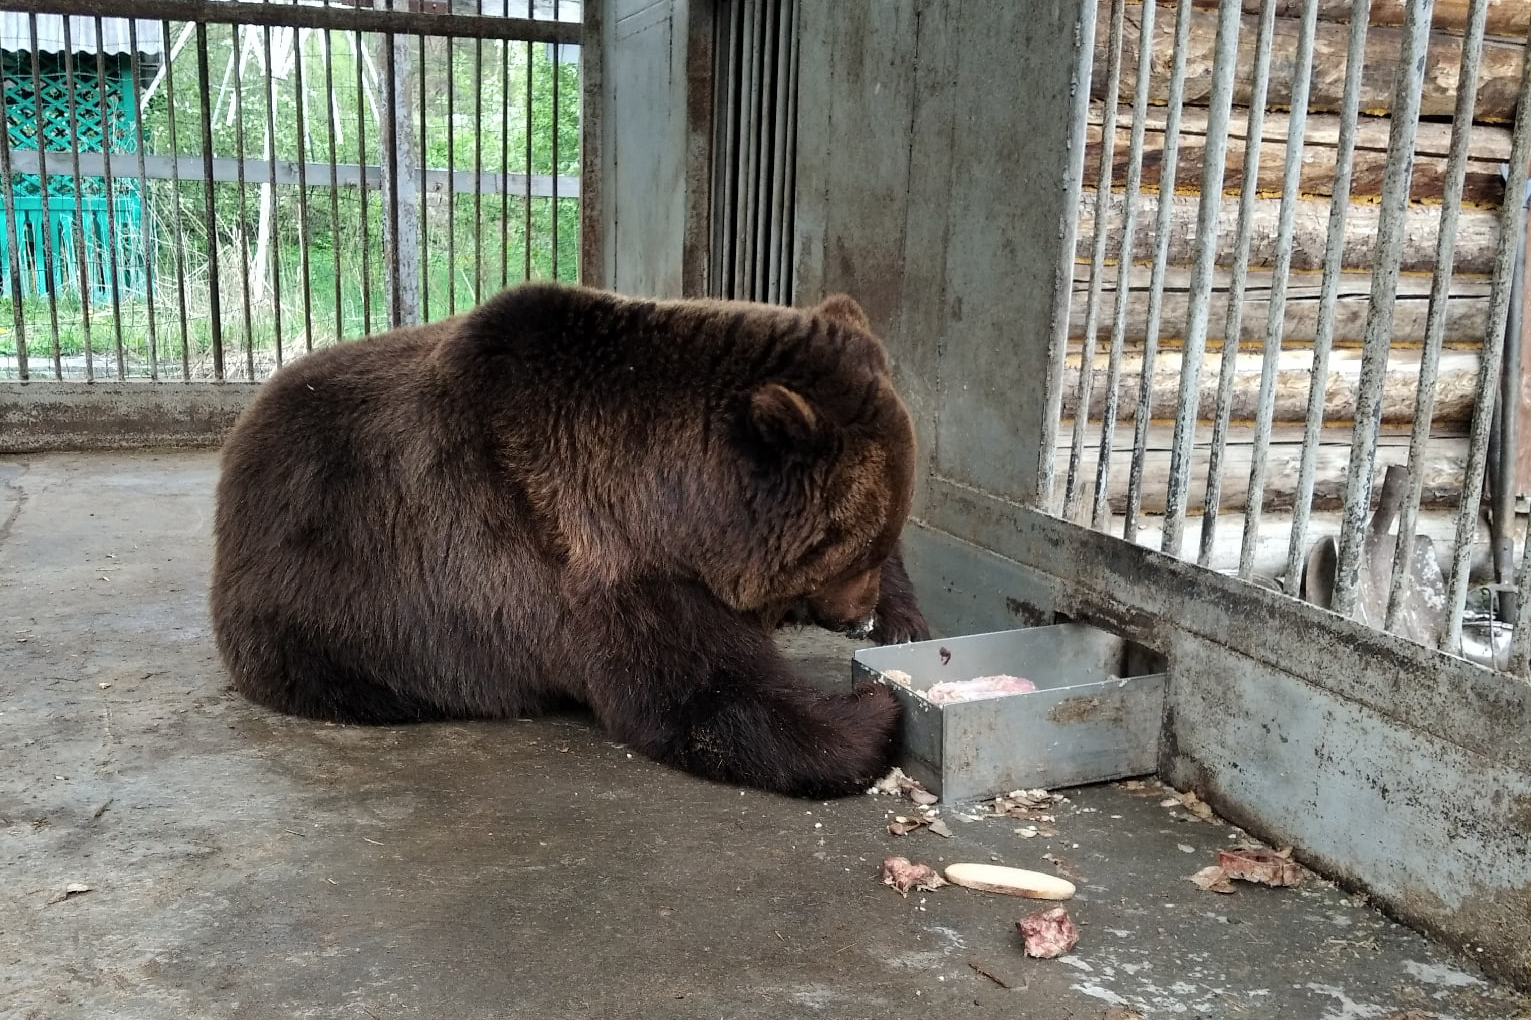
(117,416)
(932,183)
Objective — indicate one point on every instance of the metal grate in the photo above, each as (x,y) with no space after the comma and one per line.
(1289,347)
(277,177)
(755,147)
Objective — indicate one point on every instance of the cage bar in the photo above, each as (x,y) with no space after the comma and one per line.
(1378,335)
(1512,216)
(12,243)
(1068,233)
(81,262)
(1169,166)
(1124,267)
(1339,205)
(1071,485)
(214,304)
(1223,67)
(1233,324)
(113,261)
(1440,288)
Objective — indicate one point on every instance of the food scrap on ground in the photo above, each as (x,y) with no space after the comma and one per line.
(1213,879)
(1048,933)
(1191,803)
(903,875)
(1249,864)
(904,824)
(977,689)
(71,890)
(896,783)
(1264,867)
(1009,881)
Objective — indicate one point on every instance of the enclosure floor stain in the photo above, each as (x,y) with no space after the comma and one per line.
(238,863)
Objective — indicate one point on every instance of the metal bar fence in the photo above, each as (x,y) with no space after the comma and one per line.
(300,171)
(1351,378)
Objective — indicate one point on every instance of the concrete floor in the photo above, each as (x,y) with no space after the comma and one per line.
(244,864)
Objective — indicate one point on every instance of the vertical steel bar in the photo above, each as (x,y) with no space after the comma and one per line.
(478,165)
(1100,503)
(12,241)
(526,206)
(179,247)
(81,252)
(787,292)
(723,278)
(553,66)
(425,207)
(766,161)
(1233,323)
(113,257)
(1068,233)
(51,256)
(1275,319)
(364,193)
(305,264)
(390,150)
(1440,294)
(1378,334)
(1339,205)
(135,68)
(745,206)
(1225,63)
(236,39)
(273,247)
(1512,216)
(504,163)
(1142,418)
(332,125)
(214,298)
(451,66)
(1224,66)
(1084,392)
(771,249)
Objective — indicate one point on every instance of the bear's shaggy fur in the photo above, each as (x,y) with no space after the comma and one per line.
(569,495)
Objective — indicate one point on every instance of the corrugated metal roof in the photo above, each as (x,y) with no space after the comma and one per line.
(16,35)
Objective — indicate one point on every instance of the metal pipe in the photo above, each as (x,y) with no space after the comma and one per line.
(1507,439)
(1068,232)
(1291,196)
(1233,324)
(1225,63)
(1339,205)
(13,243)
(1124,266)
(1378,334)
(1440,292)
(1171,157)
(1083,394)
(214,299)
(1512,217)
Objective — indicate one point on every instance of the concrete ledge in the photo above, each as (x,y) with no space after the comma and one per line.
(1393,768)
(51,415)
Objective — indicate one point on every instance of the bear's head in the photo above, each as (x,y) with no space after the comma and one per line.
(830,453)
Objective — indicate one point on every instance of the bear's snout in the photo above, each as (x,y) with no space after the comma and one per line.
(847,605)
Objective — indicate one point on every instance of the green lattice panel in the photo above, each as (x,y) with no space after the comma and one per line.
(37,115)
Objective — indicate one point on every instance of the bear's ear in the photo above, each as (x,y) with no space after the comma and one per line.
(781,418)
(842,308)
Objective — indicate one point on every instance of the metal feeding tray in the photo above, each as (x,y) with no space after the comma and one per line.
(1086,722)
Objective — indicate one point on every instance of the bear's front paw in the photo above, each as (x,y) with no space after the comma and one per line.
(899,624)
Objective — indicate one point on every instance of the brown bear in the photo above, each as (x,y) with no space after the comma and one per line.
(570,495)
